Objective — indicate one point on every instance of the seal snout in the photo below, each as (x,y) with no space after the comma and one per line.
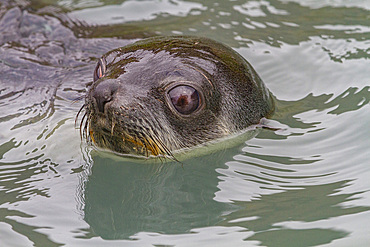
(104,93)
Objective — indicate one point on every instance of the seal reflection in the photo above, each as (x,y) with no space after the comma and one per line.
(122,199)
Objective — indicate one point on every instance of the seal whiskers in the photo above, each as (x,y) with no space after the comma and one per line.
(82,119)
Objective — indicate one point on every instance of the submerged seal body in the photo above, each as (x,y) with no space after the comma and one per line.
(164,94)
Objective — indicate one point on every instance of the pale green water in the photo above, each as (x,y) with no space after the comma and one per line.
(305,184)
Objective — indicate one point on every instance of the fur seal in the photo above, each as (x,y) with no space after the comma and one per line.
(164,94)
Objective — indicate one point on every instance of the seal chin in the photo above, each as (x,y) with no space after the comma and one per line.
(136,141)
(126,144)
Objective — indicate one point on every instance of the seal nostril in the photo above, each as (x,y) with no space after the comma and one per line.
(104,93)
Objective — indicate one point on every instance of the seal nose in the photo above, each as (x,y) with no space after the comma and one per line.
(104,92)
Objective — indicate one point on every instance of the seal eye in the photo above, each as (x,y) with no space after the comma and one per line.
(185,99)
(99,70)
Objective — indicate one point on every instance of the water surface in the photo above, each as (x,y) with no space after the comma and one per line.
(302,182)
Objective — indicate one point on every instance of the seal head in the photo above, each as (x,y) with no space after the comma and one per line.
(164,94)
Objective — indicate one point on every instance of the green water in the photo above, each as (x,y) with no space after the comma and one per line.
(302,182)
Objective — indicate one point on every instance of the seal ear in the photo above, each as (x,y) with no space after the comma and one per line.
(99,70)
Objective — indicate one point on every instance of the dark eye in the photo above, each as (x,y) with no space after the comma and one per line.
(185,99)
(99,70)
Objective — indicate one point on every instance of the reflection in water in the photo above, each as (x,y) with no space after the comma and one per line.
(127,11)
(31,232)
(342,33)
(350,100)
(308,204)
(16,187)
(124,198)
(297,237)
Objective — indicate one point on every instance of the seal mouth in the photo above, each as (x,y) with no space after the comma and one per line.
(119,136)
